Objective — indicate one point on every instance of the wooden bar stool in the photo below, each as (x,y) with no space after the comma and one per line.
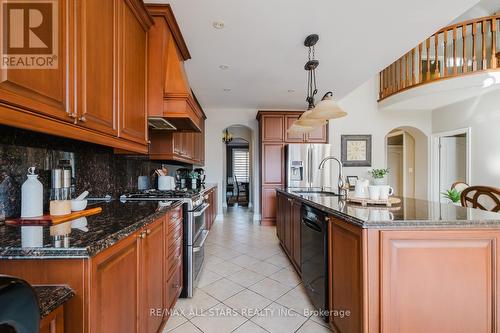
(481,197)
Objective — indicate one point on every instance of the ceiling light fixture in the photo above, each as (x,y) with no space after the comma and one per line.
(317,115)
(227,89)
(291,90)
(227,137)
(224,67)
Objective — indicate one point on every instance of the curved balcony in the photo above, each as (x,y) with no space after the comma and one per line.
(461,49)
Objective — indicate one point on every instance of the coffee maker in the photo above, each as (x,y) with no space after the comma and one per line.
(181,178)
(201,177)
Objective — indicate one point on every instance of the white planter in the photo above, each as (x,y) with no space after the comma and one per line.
(378,181)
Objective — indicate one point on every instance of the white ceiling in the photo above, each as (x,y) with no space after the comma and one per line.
(263,43)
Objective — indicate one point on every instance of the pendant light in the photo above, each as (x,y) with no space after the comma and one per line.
(317,115)
(327,109)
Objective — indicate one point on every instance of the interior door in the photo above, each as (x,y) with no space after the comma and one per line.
(452,162)
(395,164)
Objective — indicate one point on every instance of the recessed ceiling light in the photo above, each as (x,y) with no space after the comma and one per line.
(291,90)
(218,24)
(224,67)
(227,89)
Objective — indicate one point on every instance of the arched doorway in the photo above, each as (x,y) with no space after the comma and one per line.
(407,161)
(237,166)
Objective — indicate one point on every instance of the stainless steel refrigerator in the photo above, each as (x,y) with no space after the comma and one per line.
(302,166)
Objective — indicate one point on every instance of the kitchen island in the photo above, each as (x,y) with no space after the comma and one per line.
(418,267)
(120,263)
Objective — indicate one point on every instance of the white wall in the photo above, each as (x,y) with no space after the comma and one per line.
(482,114)
(217,121)
(364,117)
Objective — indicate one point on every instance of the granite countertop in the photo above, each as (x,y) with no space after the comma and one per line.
(81,238)
(50,297)
(411,213)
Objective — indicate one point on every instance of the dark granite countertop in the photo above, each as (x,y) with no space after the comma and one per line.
(50,297)
(411,213)
(81,238)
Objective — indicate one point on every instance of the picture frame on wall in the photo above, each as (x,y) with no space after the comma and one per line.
(356,150)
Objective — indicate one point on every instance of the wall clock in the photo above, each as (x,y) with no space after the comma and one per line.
(356,150)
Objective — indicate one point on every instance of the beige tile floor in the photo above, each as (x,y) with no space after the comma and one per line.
(247,286)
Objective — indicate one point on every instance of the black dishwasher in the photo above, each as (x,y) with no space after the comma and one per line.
(314,263)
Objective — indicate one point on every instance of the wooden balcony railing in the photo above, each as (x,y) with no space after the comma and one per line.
(459,49)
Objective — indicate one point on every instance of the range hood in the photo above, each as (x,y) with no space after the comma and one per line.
(160,123)
(171,103)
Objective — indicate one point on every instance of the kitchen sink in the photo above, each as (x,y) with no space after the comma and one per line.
(315,192)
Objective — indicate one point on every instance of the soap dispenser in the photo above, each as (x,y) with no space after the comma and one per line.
(32,195)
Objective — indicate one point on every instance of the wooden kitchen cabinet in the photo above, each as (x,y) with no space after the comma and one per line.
(97,63)
(97,93)
(274,136)
(115,289)
(272,128)
(132,77)
(211,212)
(186,147)
(53,322)
(152,274)
(288,227)
(47,92)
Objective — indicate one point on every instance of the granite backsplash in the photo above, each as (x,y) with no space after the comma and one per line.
(95,168)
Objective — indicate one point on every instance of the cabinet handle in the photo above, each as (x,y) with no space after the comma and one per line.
(82,119)
(176,286)
(142,235)
(148,231)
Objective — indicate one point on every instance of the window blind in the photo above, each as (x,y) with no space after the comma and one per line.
(241,165)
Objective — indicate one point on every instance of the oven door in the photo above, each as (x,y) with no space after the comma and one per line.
(199,256)
(198,218)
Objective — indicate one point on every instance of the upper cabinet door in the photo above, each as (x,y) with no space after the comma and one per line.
(97,64)
(292,137)
(319,135)
(272,128)
(272,168)
(132,76)
(46,91)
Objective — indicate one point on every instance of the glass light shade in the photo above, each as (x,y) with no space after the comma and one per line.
(327,109)
(306,121)
(300,129)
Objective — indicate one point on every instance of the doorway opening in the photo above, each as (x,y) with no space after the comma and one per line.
(451,161)
(238,167)
(407,161)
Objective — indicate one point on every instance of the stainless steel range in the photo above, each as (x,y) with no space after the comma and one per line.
(195,232)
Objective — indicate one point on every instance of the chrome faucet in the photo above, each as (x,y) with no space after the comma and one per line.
(342,191)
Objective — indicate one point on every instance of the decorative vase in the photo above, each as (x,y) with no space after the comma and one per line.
(378,181)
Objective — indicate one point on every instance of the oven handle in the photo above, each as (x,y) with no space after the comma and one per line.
(198,213)
(202,242)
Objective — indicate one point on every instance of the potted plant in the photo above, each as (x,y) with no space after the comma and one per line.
(453,195)
(194,176)
(378,175)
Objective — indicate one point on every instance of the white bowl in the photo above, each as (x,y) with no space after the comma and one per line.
(78,205)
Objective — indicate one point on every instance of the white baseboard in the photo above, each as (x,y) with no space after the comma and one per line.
(256,217)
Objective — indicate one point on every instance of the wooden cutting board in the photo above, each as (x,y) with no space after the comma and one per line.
(49,220)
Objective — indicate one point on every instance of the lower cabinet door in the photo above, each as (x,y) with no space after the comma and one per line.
(115,288)
(53,322)
(174,285)
(152,276)
(295,223)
